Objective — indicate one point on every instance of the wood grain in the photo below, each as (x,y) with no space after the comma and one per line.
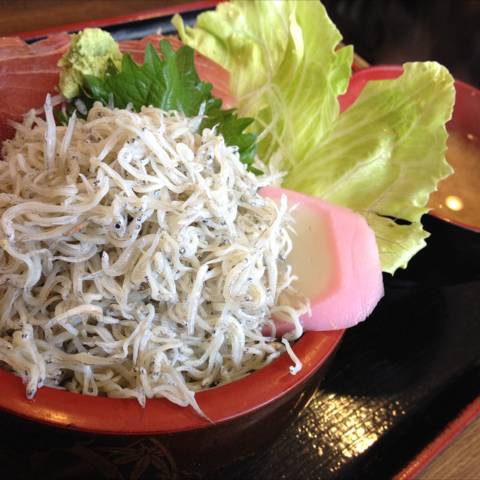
(25,15)
(460,461)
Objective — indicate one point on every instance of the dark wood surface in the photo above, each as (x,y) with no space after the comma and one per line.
(26,15)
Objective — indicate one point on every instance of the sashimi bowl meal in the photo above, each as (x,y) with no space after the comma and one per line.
(188,224)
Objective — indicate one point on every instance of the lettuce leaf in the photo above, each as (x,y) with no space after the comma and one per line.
(382,157)
(281,56)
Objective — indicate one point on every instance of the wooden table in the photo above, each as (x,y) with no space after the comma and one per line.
(461,460)
(27,15)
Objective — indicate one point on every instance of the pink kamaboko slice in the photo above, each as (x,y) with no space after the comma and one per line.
(335,258)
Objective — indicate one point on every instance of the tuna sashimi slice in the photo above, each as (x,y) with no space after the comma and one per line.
(11,46)
(29,72)
(44,79)
(41,55)
(335,257)
(7,42)
(6,131)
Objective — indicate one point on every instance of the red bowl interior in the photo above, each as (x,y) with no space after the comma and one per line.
(360,78)
(118,416)
(465,119)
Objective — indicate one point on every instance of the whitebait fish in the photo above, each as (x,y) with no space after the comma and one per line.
(138,258)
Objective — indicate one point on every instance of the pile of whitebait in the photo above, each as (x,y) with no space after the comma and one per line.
(138,258)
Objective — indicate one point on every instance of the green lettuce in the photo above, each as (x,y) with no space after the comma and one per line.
(277,66)
(384,156)
(381,157)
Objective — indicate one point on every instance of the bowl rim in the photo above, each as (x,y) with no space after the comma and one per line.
(114,416)
(390,71)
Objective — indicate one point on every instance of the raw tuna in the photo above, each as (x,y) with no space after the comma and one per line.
(335,257)
(29,72)
(11,46)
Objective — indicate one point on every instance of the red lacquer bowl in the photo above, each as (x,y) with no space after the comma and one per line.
(220,404)
(245,415)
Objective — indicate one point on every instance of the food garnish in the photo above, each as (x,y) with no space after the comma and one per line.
(90,53)
(171,83)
